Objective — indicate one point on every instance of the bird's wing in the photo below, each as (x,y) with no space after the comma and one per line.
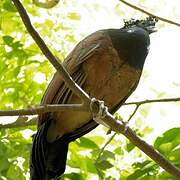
(57,91)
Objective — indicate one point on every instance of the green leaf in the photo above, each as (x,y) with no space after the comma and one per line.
(87,143)
(90,166)
(9,6)
(104,165)
(14,172)
(107,154)
(141,165)
(17,45)
(130,146)
(4,164)
(168,141)
(166,147)
(119,151)
(165,176)
(98,139)
(8,40)
(140,172)
(175,155)
(74,16)
(73,176)
(17,70)
(110,178)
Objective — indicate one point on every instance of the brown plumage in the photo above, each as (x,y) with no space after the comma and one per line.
(107,65)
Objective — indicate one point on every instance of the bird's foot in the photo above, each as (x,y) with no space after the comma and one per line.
(99,114)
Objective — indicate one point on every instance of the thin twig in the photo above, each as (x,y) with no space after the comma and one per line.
(44,108)
(153,101)
(103,148)
(99,155)
(150,14)
(134,112)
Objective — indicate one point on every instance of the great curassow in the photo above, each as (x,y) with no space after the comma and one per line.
(107,65)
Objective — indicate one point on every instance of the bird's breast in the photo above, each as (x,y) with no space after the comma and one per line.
(110,79)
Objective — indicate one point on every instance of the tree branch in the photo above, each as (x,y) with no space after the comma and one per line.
(134,112)
(100,153)
(21,121)
(62,107)
(112,137)
(150,14)
(103,148)
(138,103)
(44,108)
(108,119)
(142,145)
(75,107)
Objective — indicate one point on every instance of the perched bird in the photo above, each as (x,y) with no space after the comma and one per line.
(107,64)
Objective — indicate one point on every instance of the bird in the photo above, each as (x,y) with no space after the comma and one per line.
(107,65)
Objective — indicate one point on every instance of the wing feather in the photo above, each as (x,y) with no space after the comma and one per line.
(57,91)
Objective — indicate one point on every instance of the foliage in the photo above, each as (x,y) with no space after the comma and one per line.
(24,74)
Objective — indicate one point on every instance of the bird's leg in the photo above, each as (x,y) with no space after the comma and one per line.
(99,111)
(99,114)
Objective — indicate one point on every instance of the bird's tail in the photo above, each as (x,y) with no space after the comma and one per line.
(48,160)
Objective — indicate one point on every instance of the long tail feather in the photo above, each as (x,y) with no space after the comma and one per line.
(48,160)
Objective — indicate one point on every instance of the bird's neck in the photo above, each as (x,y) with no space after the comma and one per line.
(132,46)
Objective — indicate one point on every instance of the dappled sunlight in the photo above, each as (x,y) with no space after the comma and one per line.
(39,78)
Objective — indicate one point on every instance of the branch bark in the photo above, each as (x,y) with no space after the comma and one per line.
(44,108)
(21,121)
(150,14)
(62,107)
(75,107)
(142,145)
(138,103)
(108,119)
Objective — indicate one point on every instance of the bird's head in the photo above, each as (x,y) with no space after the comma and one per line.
(147,24)
(132,41)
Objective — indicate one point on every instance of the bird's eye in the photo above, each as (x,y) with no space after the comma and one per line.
(129,30)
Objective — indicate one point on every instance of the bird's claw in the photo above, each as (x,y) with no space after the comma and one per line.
(102,112)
